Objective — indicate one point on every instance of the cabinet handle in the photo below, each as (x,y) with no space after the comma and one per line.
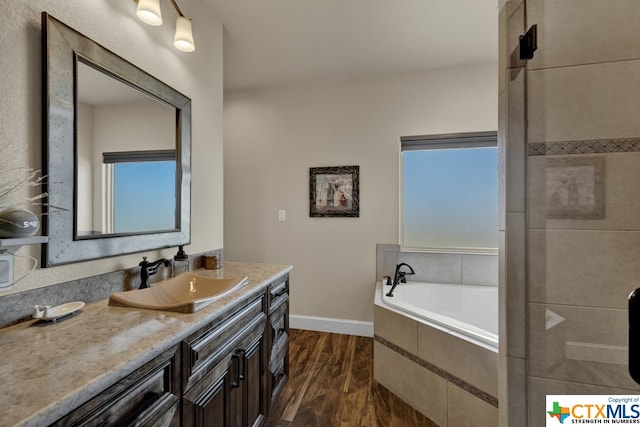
(236,359)
(243,357)
(634,335)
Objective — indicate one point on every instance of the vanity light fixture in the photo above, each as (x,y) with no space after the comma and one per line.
(183,39)
(148,11)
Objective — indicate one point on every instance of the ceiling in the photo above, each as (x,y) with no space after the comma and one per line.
(282,42)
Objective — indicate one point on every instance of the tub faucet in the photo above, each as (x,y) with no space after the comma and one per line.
(149,269)
(400,276)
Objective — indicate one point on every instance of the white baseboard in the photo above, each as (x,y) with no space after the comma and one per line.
(327,324)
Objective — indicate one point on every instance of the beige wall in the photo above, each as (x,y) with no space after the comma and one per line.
(272,138)
(114,25)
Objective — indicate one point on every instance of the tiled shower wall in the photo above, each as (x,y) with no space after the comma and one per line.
(569,133)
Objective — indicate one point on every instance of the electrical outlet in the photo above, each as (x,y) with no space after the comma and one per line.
(282,215)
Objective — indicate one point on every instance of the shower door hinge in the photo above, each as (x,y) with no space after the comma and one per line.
(529,42)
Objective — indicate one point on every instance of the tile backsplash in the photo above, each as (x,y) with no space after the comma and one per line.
(15,308)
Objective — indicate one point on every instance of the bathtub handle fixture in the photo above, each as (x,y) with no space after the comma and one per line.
(388,280)
(400,276)
(634,335)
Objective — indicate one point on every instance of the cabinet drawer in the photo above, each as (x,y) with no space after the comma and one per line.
(147,397)
(278,382)
(278,293)
(209,347)
(278,366)
(279,324)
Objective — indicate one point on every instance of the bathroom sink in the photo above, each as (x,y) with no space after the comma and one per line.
(185,293)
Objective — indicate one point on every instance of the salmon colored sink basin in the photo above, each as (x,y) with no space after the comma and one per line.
(185,293)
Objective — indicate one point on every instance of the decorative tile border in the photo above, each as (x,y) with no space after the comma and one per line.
(584,147)
(440,372)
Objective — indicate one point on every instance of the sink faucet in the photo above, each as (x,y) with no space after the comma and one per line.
(400,276)
(150,268)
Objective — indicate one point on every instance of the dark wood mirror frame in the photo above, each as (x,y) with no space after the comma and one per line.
(62,46)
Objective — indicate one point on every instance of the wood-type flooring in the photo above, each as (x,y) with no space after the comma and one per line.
(331,385)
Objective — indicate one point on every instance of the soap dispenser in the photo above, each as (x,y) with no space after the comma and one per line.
(181,262)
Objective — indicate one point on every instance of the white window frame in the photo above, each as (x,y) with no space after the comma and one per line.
(437,142)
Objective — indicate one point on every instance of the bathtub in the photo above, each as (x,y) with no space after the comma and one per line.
(436,347)
(467,311)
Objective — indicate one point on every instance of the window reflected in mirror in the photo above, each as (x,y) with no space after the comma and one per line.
(140,194)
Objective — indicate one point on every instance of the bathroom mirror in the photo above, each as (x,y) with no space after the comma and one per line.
(117,153)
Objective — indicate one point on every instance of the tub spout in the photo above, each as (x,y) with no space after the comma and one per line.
(400,276)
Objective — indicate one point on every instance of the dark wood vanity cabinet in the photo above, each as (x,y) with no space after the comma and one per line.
(149,397)
(227,374)
(225,371)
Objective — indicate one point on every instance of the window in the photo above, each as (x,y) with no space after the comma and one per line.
(450,193)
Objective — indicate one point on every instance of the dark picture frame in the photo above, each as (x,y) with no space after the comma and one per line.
(334,191)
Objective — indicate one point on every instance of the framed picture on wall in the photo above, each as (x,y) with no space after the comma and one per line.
(334,191)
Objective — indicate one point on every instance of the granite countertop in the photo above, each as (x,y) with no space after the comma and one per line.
(49,369)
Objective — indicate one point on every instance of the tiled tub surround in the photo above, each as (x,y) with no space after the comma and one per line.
(448,379)
(452,381)
(49,369)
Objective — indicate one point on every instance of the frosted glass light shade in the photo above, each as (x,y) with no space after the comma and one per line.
(184,36)
(148,11)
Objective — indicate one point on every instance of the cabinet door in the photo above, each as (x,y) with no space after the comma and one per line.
(232,393)
(254,382)
(206,404)
(235,393)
